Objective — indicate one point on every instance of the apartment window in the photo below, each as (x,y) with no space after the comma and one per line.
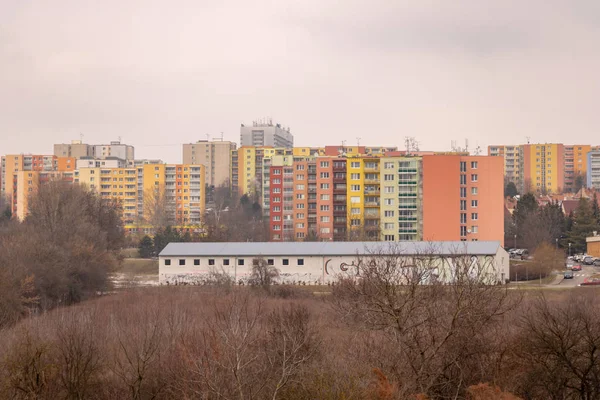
(301,261)
(389,189)
(325,230)
(276,218)
(463,166)
(196,262)
(211,261)
(473,177)
(300,167)
(324,164)
(324,185)
(276,199)
(276,227)
(270,261)
(388,165)
(388,202)
(167,262)
(463,192)
(300,177)
(474,203)
(324,197)
(463,218)
(389,213)
(463,179)
(286,261)
(355,199)
(355,164)
(240,261)
(463,231)
(276,181)
(325,218)
(300,206)
(355,222)
(324,175)
(388,238)
(473,164)
(299,187)
(182,261)
(276,172)
(300,196)
(276,208)
(388,177)
(388,226)
(474,229)
(325,207)
(474,216)
(355,211)
(355,177)
(300,216)
(300,225)
(474,191)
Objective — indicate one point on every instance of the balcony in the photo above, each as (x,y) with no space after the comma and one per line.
(407,207)
(407,183)
(371,204)
(372,192)
(407,170)
(411,194)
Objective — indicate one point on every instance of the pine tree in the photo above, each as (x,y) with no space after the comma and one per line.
(596,209)
(146,247)
(584,224)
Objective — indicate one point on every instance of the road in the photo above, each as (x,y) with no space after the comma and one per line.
(579,276)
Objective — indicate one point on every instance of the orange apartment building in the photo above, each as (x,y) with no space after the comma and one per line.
(463,198)
(23,173)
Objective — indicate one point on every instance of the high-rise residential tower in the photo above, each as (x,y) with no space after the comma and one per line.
(262,133)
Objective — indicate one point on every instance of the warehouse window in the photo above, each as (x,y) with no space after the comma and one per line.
(211,261)
(226,261)
(167,262)
(182,261)
(286,261)
(270,261)
(196,262)
(301,261)
(240,261)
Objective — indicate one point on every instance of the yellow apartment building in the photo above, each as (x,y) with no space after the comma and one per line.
(363,196)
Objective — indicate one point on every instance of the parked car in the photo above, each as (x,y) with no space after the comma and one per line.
(597,262)
(576,268)
(588,260)
(568,275)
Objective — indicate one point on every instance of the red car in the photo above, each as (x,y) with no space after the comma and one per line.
(576,268)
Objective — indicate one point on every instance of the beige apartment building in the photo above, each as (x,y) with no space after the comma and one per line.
(216,158)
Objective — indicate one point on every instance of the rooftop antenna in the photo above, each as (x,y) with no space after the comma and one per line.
(527,137)
(358,141)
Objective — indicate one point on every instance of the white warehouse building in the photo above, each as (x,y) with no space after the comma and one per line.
(321,263)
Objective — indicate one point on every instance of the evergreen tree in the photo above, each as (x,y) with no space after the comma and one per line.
(511,190)
(146,247)
(165,236)
(584,224)
(596,209)
(526,206)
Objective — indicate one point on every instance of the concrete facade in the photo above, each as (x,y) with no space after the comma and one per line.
(314,263)
(266,134)
(216,158)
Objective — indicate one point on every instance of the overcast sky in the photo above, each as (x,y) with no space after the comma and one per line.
(160,73)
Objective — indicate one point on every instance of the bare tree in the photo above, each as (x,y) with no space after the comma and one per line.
(438,314)
(158,210)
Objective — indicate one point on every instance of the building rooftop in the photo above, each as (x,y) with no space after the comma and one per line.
(329,248)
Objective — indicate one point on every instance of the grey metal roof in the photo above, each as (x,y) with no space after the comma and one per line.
(238,249)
